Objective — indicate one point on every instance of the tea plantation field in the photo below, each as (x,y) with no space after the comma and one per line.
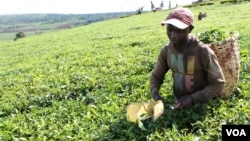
(75,84)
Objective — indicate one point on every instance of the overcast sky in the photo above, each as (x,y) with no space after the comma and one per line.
(79,6)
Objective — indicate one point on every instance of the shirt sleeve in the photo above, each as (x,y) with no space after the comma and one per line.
(159,71)
(215,78)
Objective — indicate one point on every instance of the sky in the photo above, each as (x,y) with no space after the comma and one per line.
(80,6)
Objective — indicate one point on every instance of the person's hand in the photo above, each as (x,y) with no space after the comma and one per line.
(156,96)
(183,102)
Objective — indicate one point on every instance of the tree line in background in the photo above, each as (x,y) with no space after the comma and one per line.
(11,23)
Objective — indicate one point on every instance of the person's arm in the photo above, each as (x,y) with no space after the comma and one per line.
(215,78)
(158,74)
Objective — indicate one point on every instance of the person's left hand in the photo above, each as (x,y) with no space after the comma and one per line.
(183,102)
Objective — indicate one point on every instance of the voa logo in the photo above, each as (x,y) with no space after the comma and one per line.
(236,132)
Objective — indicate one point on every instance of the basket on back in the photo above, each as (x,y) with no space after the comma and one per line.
(228,56)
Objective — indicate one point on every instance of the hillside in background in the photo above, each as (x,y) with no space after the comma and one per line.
(32,24)
(76,84)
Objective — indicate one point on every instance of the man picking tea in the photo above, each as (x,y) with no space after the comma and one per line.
(197,75)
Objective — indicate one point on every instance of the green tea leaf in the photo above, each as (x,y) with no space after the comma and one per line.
(141,126)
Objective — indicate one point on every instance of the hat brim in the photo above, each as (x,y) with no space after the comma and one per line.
(175,23)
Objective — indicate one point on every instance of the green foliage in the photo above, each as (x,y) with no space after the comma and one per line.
(213,35)
(75,84)
(19,35)
(232,1)
(139,10)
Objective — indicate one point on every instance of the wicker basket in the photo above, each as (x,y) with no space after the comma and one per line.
(228,56)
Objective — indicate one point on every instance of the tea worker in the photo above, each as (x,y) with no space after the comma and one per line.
(197,75)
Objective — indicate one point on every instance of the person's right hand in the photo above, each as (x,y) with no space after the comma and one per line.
(156,96)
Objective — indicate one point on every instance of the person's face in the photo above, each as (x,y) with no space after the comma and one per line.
(176,35)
